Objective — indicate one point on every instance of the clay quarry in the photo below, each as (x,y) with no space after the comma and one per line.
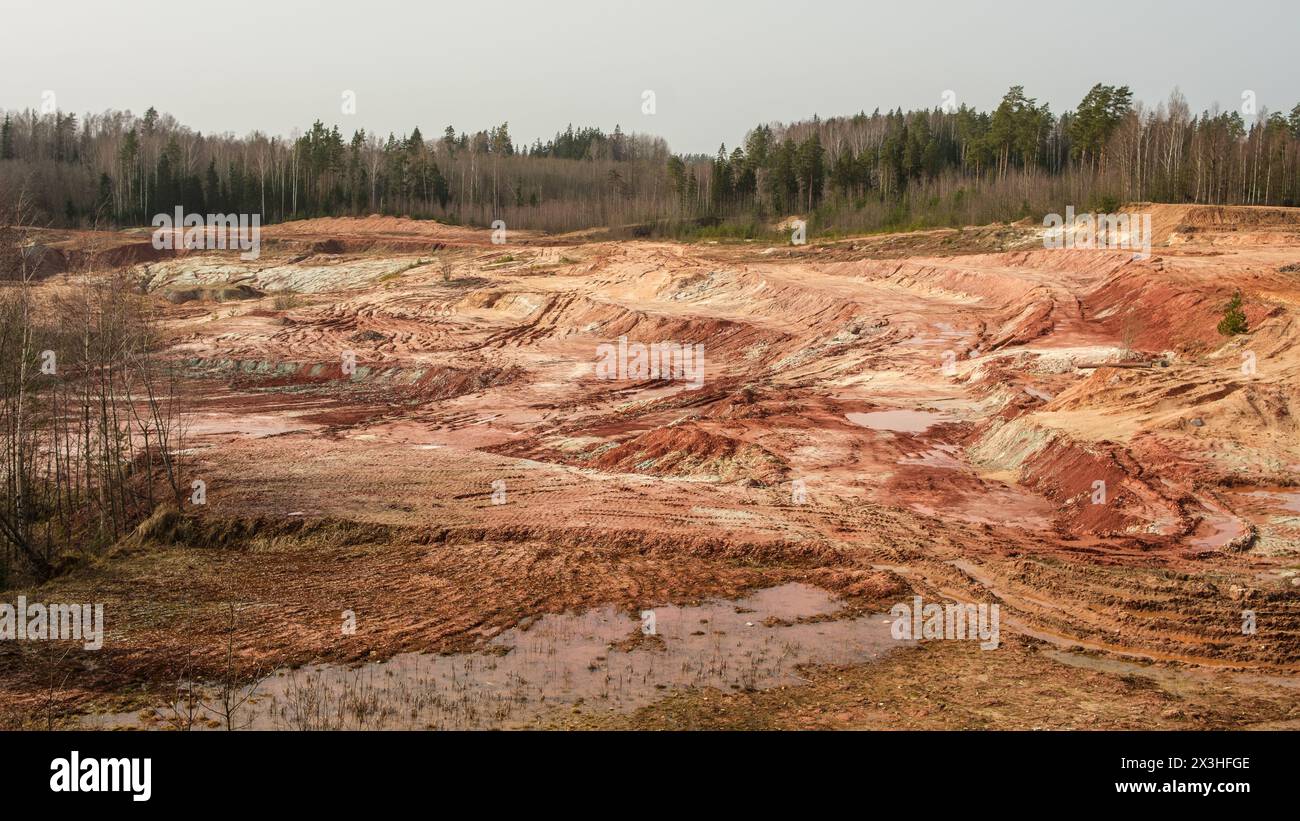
(426,507)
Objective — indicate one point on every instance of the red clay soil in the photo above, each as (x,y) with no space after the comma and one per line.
(929,405)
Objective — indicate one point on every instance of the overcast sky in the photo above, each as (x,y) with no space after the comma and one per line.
(716,68)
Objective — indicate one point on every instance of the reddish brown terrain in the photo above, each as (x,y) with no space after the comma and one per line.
(948,400)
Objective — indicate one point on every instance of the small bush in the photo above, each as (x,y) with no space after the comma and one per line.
(1234,319)
(284,300)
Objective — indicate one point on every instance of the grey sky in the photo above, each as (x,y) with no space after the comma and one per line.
(717,68)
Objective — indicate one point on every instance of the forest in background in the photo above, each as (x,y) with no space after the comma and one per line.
(866,172)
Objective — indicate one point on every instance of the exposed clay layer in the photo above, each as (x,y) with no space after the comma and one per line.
(942,425)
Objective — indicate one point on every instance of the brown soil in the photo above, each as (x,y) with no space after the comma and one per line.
(372,491)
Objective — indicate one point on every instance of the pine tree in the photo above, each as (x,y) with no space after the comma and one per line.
(212,193)
(7,139)
(1234,319)
(676,170)
(1099,113)
(810,168)
(720,192)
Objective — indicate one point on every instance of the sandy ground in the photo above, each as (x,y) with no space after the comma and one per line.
(925,414)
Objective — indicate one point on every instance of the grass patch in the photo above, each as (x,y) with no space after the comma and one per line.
(285,300)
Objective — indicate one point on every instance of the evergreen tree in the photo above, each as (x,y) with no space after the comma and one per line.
(104,200)
(7,138)
(810,168)
(782,180)
(212,192)
(1234,319)
(720,192)
(1099,113)
(677,177)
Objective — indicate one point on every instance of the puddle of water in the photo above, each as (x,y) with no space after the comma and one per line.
(902,420)
(1222,529)
(994,506)
(563,661)
(1284,498)
(1173,679)
(940,456)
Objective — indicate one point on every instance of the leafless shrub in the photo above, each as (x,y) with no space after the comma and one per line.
(234,688)
(90,422)
(285,300)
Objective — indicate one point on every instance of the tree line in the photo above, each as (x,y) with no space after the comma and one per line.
(868,171)
(116,169)
(962,166)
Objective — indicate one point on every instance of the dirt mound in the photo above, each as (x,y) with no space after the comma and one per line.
(57,252)
(1253,224)
(688,450)
(380,233)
